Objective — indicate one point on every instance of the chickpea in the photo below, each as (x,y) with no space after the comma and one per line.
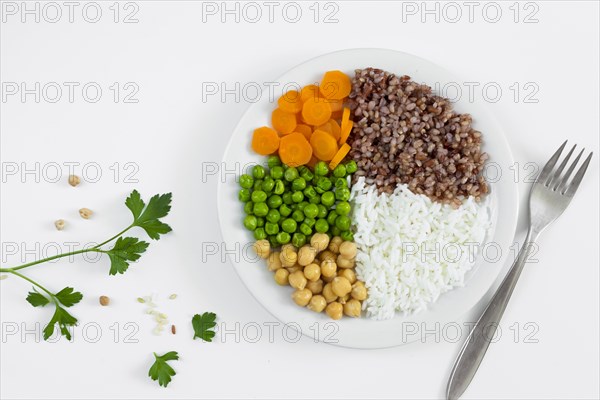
(295,268)
(262,248)
(348,249)
(334,310)
(334,244)
(344,262)
(297,280)
(306,255)
(288,256)
(349,274)
(341,286)
(328,268)
(352,308)
(274,262)
(302,297)
(327,255)
(85,213)
(59,224)
(344,299)
(74,180)
(328,293)
(317,303)
(327,279)
(312,272)
(281,276)
(319,241)
(359,291)
(315,287)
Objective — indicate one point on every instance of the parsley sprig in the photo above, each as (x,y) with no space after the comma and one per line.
(161,370)
(124,251)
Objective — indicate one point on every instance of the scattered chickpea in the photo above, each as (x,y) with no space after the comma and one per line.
(104,300)
(327,279)
(328,268)
(312,272)
(348,249)
(297,280)
(274,262)
(359,291)
(85,213)
(74,180)
(288,256)
(302,297)
(327,255)
(344,262)
(315,287)
(319,241)
(262,248)
(295,268)
(348,274)
(306,255)
(334,244)
(59,224)
(328,293)
(343,299)
(334,310)
(341,286)
(317,303)
(352,308)
(281,276)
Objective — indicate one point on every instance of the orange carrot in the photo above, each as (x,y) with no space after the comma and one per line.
(325,127)
(290,102)
(323,144)
(339,156)
(313,161)
(345,116)
(346,131)
(305,130)
(265,141)
(283,122)
(336,131)
(315,112)
(294,150)
(309,92)
(337,115)
(335,85)
(336,105)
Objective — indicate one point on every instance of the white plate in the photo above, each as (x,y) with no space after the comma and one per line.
(365,333)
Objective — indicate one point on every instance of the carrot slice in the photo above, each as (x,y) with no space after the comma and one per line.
(346,131)
(335,85)
(315,112)
(305,130)
(336,105)
(283,122)
(325,127)
(323,144)
(294,150)
(337,115)
(345,116)
(336,131)
(310,92)
(290,102)
(265,141)
(339,156)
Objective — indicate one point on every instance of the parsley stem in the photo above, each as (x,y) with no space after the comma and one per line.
(12,271)
(114,237)
(43,260)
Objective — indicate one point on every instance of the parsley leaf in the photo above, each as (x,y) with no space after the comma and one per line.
(63,319)
(203,326)
(161,370)
(68,297)
(147,217)
(37,299)
(125,250)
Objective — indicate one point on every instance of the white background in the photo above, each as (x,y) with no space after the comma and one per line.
(167,135)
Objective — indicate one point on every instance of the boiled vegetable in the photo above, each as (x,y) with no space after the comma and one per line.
(335,85)
(309,92)
(305,130)
(295,150)
(339,156)
(290,102)
(347,128)
(315,112)
(265,140)
(283,122)
(324,145)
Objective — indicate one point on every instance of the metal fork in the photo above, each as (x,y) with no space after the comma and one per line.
(550,195)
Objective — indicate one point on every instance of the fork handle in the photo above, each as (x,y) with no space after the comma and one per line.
(478,341)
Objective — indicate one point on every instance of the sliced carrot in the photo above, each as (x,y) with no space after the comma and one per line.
(336,105)
(346,132)
(345,116)
(305,130)
(265,140)
(323,144)
(290,102)
(310,92)
(295,150)
(325,127)
(315,112)
(335,85)
(283,122)
(336,131)
(337,115)
(339,156)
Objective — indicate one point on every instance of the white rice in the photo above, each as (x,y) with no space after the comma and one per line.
(410,249)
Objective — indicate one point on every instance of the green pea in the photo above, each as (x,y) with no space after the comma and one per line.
(342,194)
(327,199)
(260,209)
(290,174)
(342,208)
(321,226)
(277,172)
(310,222)
(260,234)
(342,222)
(250,222)
(258,172)
(285,210)
(257,184)
(310,192)
(298,216)
(258,196)
(331,217)
(319,191)
(341,183)
(297,197)
(283,237)
(347,236)
(287,198)
(279,187)
(311,211)
(351,167)
(321,168)
(302,205)
(244,195)
(274,201)
(315,200)
(305,229)
(298,184)
(307,175)
(248,207)
(322,211)
(273,161)
(260,222)
(298,239)
(271,228)
(294,206)
(273,216)
(273,241)
(339,171)
(324,183)
(268,184)
(246,181)
(335,231)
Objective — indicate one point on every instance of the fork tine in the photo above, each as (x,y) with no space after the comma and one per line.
(564,180)
(555,179)
(578,177)
(543,176)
